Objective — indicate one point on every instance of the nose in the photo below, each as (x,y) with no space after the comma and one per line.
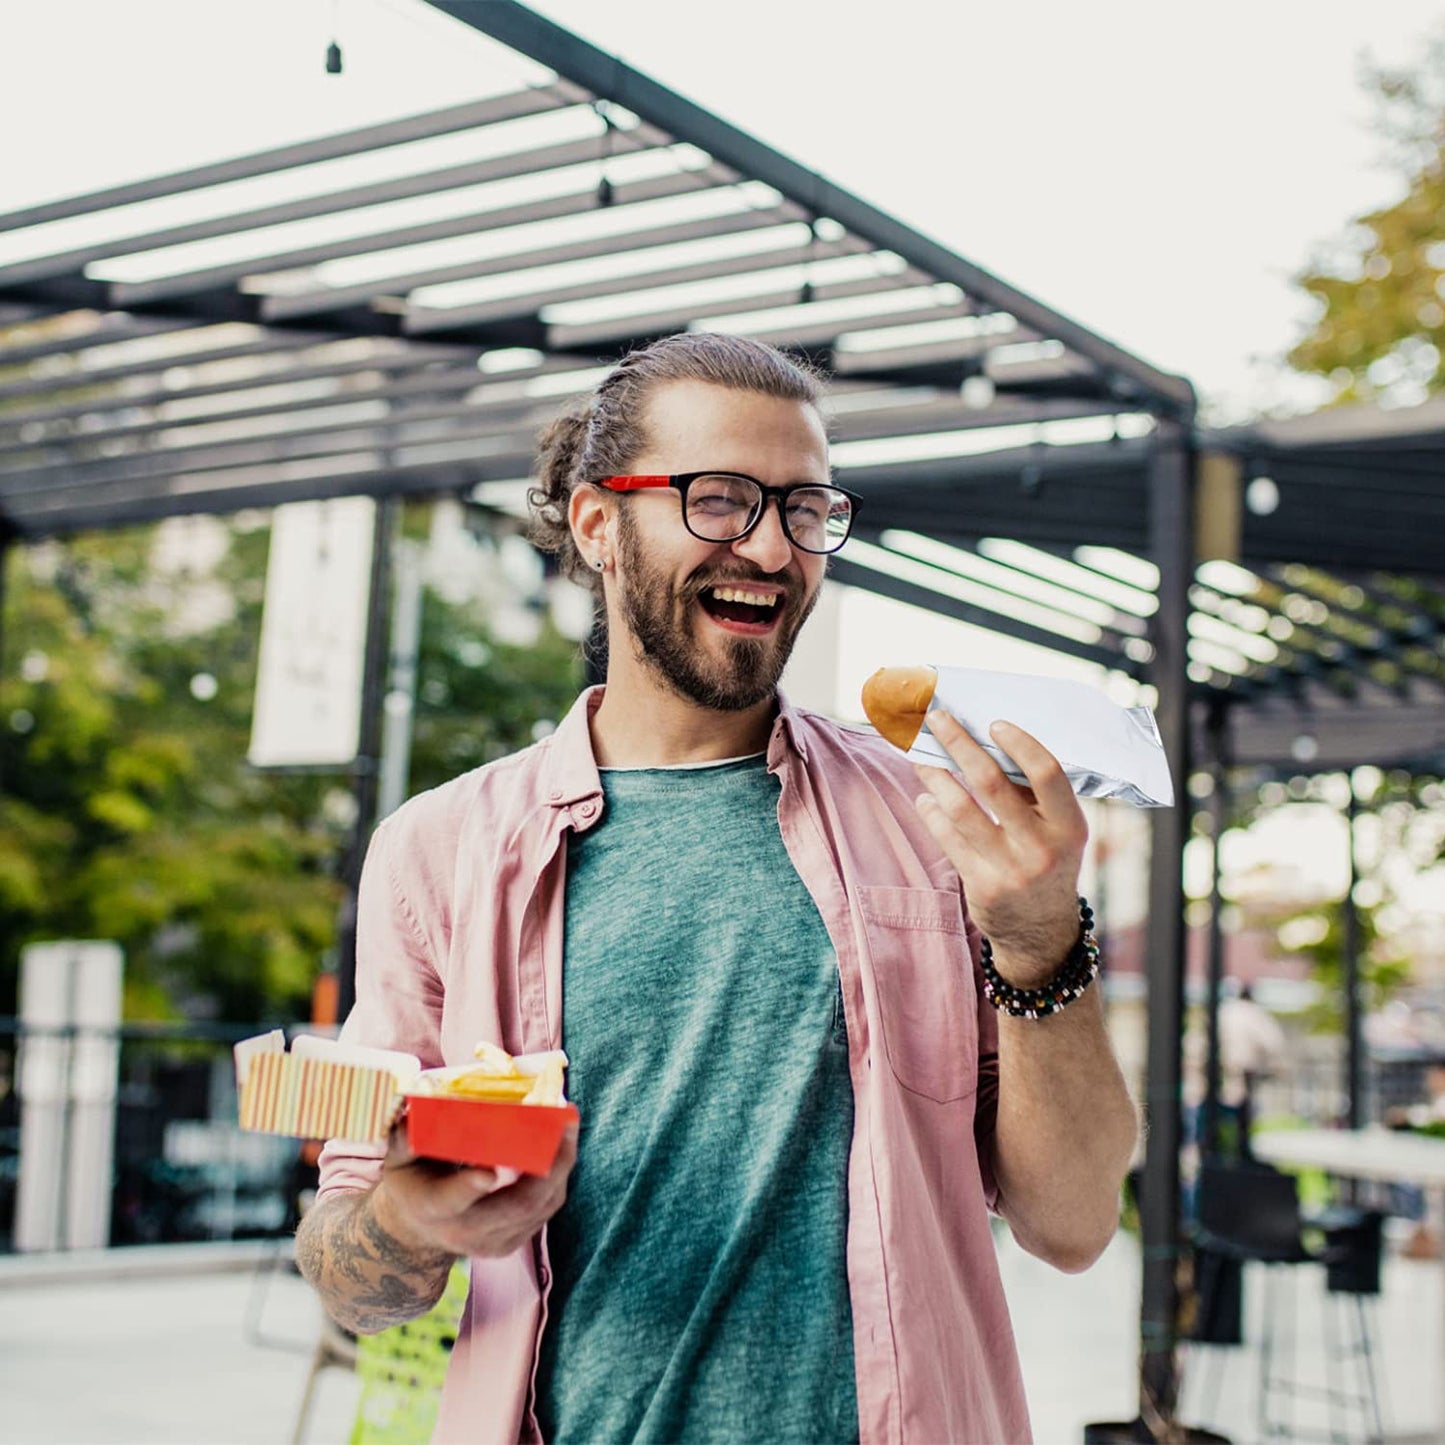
(767,545)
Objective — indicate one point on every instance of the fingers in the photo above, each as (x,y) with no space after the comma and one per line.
(1046,775)
(983,778)
(952,815)
(511,1215)
(1049,791)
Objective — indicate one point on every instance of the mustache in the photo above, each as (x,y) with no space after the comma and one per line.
(755,577)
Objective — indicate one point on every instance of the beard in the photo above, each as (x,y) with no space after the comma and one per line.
(656,615)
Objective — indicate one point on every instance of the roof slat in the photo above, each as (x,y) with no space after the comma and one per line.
(572,203)
(423,321)
(312,303)
(331,203)
(476,113)
(673,318)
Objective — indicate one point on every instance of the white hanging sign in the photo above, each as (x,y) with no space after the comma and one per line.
(313,634)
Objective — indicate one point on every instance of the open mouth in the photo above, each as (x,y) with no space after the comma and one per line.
(741,607)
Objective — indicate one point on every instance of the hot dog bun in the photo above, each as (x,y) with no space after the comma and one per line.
(896,700)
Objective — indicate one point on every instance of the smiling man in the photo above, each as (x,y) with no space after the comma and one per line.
(823,1009)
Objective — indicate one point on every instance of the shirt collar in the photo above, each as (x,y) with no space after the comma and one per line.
(571,775)
(788,735)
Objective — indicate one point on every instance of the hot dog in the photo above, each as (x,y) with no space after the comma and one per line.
(897,699)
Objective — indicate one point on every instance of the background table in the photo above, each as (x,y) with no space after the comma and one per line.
(1385,1154)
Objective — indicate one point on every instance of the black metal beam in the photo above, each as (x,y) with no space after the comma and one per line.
(107,329)
(1170,528)
(260,345)
(427,383)
(609,77)
(474,418)
(393,362)
(918,414)
(54,517)
(1216,734)
(1352,983)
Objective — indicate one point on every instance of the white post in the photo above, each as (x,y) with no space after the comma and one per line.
(70,1006)
(399,704)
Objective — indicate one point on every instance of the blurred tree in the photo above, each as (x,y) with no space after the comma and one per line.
(1400,833)
(1380,330)
(479,699)
(1383,971)
(127,809)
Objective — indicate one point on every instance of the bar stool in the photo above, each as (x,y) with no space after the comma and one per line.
(1250,1213)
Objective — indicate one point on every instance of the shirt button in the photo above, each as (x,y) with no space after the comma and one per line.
(588,810)
(556,794)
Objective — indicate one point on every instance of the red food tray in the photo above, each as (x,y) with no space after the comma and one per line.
(525,1137)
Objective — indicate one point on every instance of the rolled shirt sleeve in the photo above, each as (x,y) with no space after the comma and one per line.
(398,997)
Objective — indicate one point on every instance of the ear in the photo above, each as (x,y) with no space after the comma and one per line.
(589,514)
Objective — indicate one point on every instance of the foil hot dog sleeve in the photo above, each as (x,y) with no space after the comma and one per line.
(1106,751)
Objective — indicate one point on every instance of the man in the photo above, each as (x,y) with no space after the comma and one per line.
(1251,1048)
(746,925)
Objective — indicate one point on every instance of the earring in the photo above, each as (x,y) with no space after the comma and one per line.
(599,564)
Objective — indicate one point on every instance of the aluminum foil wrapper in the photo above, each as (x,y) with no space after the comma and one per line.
(1106,751)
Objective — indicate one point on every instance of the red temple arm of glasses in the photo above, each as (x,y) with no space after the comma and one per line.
(633,484)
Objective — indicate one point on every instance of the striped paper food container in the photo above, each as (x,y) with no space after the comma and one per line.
(317,1099)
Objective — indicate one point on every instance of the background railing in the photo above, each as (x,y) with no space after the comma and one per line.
(181,1167)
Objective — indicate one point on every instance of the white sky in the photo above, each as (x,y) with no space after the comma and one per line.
(1157,172)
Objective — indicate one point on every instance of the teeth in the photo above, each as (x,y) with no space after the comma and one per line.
(751,599)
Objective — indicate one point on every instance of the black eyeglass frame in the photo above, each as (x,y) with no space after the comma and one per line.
(681,481)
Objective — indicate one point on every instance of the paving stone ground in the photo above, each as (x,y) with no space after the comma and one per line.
(173,1359)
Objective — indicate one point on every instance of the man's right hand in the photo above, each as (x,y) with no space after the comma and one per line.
(435,1208)
(381,1257)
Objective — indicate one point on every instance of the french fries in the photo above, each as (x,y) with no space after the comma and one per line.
(496,1078)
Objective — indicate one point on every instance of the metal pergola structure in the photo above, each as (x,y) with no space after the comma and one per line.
(427,291)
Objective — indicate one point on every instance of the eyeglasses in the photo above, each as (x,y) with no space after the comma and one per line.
(726,506)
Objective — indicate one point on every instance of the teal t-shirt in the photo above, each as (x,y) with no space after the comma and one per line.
(699,1282)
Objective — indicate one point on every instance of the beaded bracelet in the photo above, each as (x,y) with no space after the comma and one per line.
(1074,975)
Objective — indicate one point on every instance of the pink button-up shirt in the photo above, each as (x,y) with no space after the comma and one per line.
(460,938)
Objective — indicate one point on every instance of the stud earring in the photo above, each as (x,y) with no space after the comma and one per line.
(599,564)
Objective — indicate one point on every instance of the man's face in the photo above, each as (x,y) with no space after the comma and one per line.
(724,653)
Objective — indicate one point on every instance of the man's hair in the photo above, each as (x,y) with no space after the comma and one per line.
(600,434)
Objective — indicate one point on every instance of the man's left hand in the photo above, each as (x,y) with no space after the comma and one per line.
(1020,866)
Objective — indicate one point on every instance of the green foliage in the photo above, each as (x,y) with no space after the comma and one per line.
(127,809)
(1382,972)
(479,699)
(1399,828)
(128,812)
(1380,330)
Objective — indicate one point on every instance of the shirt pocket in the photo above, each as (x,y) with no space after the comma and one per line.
(924,979)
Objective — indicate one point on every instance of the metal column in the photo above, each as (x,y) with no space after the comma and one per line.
(1171,539)
(1350,979)
(7,536)
(1215,732)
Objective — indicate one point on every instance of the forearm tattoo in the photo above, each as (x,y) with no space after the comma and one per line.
(367,1279)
